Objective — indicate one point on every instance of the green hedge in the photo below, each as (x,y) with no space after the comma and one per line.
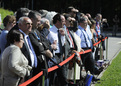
(4,13)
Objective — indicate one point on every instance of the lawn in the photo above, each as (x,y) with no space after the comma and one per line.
(112,75)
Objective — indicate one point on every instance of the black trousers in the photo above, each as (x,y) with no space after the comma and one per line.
(61,74)
(88,62)
(96,54)
(41,66)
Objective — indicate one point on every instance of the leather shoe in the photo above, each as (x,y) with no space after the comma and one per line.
(95,79)
(101,69)
(97,72)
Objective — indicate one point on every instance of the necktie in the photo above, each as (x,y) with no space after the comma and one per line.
(98,28)
(70,37)
(30,46)
(98,25)
(60,43)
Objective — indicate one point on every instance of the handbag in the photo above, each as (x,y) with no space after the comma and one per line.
(88,79)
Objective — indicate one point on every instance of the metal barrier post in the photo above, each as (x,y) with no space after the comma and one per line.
(75,67)
(74,71)
(100,49)
(43,80)
(106,48)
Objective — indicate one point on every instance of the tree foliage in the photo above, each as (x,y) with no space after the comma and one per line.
(108,8)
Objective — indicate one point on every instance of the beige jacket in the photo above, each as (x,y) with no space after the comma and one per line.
(14,65)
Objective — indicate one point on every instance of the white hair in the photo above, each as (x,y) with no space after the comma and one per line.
(43,20)
(21,20)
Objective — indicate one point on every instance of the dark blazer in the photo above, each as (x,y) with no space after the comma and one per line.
(38,42)
(25,51)
(40,45)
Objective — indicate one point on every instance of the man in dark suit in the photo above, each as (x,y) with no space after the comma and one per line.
(41,47)
(25,26)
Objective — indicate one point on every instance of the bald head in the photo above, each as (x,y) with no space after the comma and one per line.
(25,24)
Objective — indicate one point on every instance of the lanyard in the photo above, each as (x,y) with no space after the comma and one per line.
(37,35)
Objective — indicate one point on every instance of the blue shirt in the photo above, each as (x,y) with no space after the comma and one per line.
(89,31)
(53,35)
(85,39)
(98,31)
(3,40)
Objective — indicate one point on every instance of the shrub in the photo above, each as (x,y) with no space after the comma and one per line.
(4,13)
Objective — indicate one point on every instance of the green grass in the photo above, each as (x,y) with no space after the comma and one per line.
(112,75)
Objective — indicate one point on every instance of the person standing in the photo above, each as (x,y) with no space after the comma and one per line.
(41,47)
(100,35)
(94,40)
(14,64)
(21,12)
(73,41)
(87,58)
(57,33)
(116,22)
(98,24)
(0,20)
(25,26)
(9,22)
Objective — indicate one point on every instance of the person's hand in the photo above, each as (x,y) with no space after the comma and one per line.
(82,50)
(28,68)
(96,46)
(73,51)
(40,27)
(62,32)
(49,54)
(100,36)
(54,45)
(46,24)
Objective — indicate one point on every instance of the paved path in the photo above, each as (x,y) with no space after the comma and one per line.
(114,46)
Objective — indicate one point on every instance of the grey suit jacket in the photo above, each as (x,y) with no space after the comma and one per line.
(14,65)
(67,45)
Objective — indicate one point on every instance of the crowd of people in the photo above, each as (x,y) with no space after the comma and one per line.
(33,41)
